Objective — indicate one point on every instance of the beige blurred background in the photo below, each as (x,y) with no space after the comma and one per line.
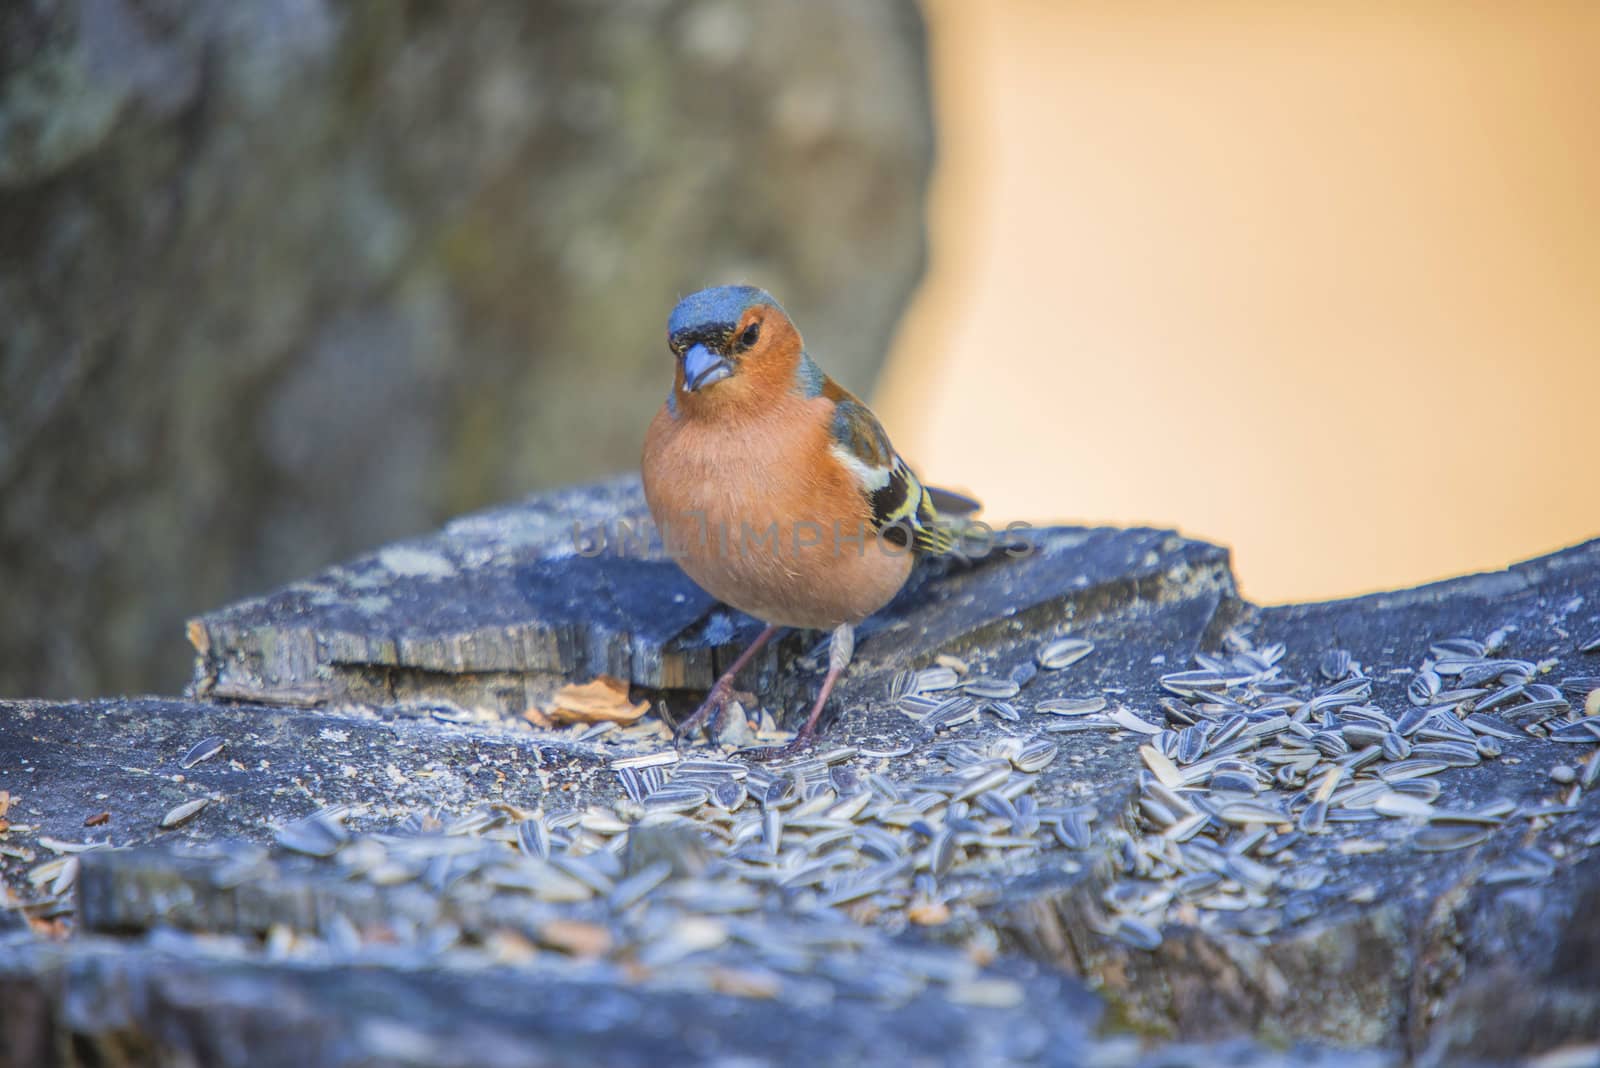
(1321,282)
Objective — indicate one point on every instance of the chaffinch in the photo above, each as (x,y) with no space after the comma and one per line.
(778,491)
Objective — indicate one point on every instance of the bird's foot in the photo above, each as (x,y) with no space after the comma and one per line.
(720,693)
(706,715)
(763,753)
(840,650)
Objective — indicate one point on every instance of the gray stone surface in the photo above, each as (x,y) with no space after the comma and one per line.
(391,689)
(283,279)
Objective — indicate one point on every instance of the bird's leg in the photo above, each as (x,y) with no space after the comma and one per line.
(719,693)
(840,650)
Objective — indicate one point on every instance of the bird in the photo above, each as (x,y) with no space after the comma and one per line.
(778,491)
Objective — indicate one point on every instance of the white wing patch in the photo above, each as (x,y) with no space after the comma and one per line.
(872,479)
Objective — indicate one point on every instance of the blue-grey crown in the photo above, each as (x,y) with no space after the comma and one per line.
(717,307)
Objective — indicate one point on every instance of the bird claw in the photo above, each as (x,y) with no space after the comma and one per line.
(721,691)
(706,715)
(762,753)
(798,743)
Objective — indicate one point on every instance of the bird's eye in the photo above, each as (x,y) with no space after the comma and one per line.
(751,333)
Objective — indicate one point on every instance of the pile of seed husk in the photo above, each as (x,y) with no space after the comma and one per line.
(1250,775)
(1244,769)
(783,873)
(656,902)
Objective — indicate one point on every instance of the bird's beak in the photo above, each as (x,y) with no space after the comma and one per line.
(701,367)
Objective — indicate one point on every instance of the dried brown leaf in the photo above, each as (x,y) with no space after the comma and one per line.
(603,700)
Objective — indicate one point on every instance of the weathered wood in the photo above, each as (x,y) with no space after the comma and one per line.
(94,1003)
(500,608)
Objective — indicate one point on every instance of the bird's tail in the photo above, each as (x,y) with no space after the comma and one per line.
(950,503)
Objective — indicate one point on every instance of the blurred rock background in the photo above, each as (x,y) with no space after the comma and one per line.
(283,279)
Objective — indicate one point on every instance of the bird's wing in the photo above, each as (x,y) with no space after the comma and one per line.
(902,508)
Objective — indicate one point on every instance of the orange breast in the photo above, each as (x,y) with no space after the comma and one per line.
(763,518)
